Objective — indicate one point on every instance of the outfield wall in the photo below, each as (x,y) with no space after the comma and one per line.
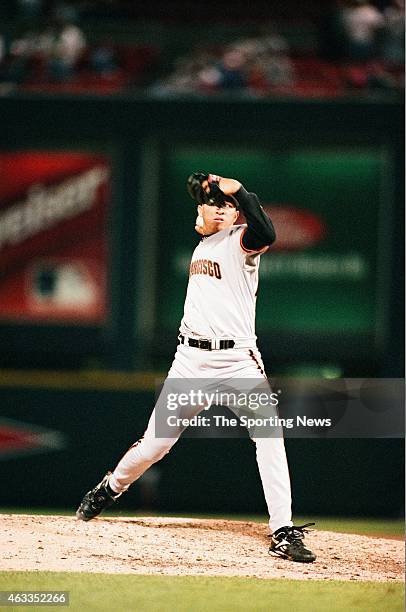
(330,173)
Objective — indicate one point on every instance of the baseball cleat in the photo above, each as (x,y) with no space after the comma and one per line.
(287,542)
(96,500)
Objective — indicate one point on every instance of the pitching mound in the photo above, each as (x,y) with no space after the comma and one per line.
(182,546)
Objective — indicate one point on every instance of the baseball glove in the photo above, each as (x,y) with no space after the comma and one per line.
(212,194)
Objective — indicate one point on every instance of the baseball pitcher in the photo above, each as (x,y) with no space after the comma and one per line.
(217,341)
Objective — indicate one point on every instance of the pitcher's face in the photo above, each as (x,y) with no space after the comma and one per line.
(217,218)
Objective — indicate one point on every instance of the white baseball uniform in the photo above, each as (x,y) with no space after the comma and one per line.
(219,305)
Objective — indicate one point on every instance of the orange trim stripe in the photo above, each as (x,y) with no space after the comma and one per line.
(251,354)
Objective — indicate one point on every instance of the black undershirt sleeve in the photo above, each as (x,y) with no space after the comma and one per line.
(260,231)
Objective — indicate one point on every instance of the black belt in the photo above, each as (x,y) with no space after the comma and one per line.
(206,345)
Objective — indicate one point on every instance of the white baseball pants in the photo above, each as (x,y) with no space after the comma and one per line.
(193,363)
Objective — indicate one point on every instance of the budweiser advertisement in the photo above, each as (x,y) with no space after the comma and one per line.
(53,236)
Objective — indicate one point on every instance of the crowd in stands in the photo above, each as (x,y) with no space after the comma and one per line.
(57,55)
(359,47)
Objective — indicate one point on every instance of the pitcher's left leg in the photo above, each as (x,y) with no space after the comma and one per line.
(271,454)
(286,538)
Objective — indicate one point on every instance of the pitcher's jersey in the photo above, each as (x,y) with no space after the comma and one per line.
(223,282)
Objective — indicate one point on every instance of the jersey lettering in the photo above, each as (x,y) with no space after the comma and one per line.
(205,266)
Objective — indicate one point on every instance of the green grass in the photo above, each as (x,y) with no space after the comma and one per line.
(364,526)
(121,593)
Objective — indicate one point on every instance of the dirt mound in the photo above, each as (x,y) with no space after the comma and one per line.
(183,546)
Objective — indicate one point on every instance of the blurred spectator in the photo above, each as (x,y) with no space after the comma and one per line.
(103,58)
(233,69)
(361,21)
(393,44)
(68,44)
(192,74)
(19,62)
(271,64)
